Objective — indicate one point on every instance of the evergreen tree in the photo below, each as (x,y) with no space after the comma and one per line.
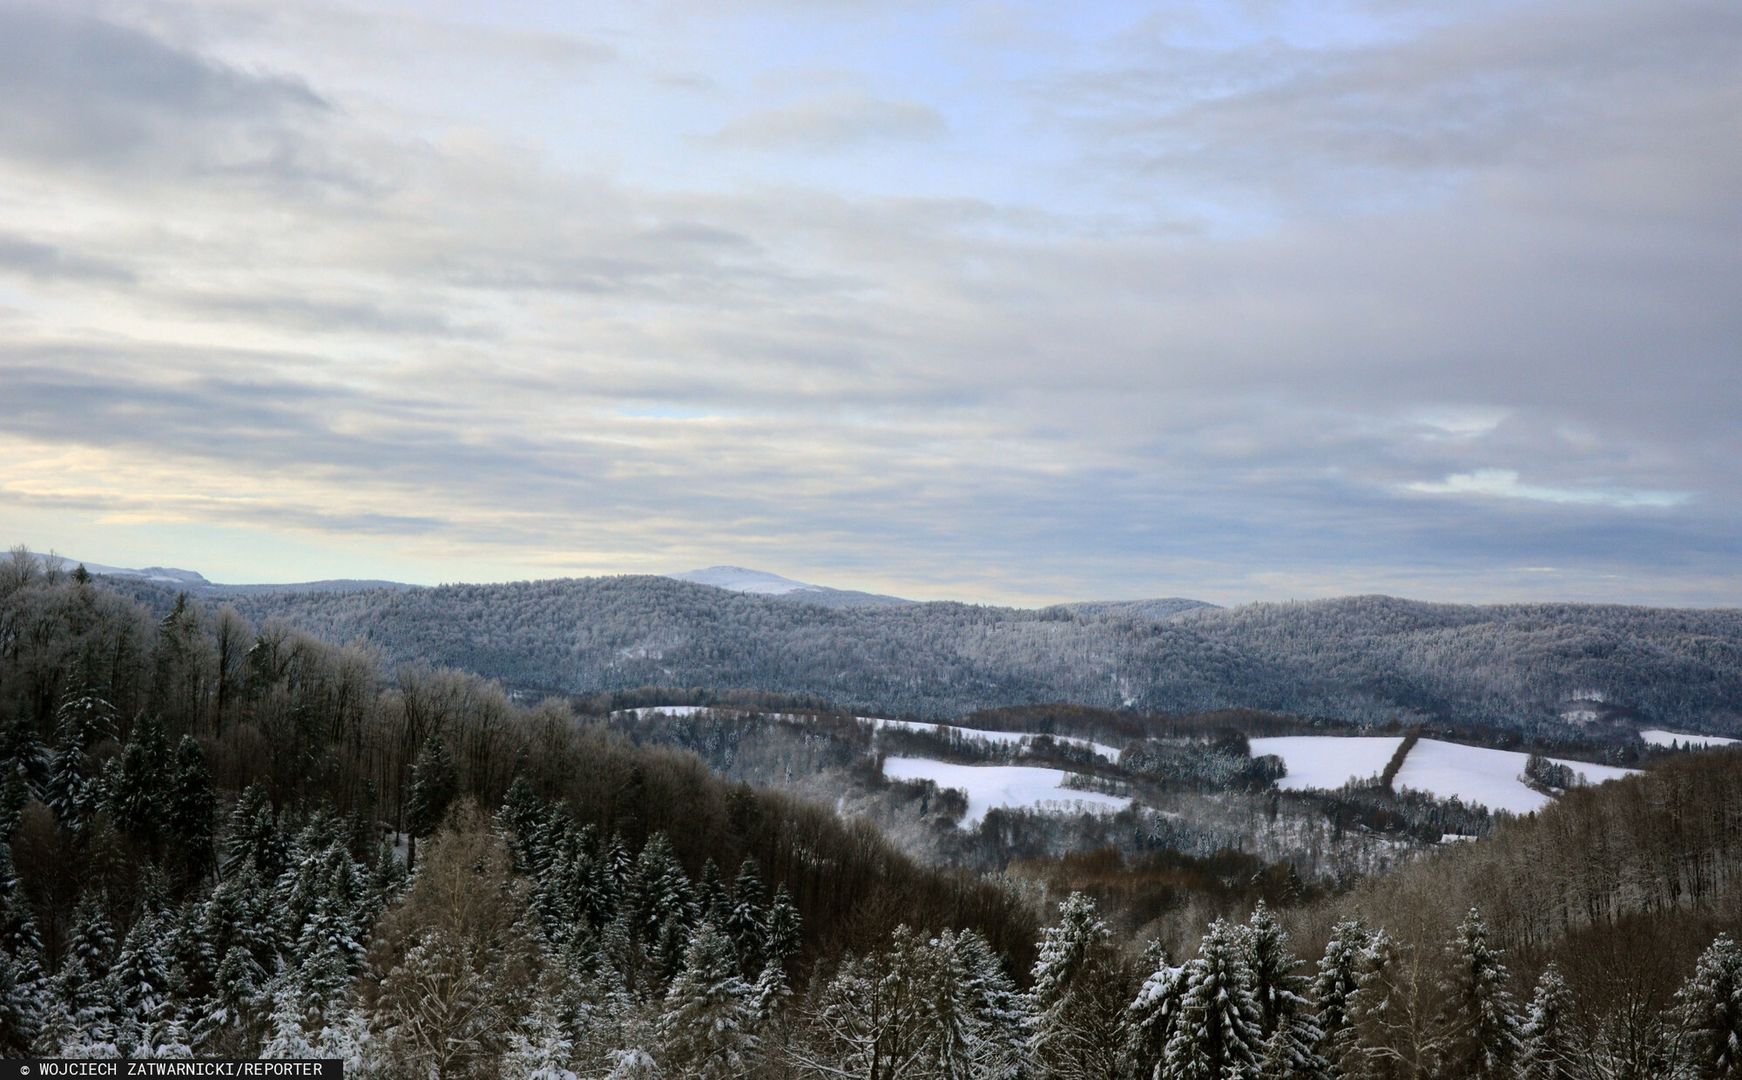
(540,1048)
(1076,1001)
(784,935)
(746,923)
(707,1027)
(133,782)
(1152,1018)
(1546,1041)
(1219,1034)
(1710,1007)
(226,1023)
(91,938)
(1481,1017)
(713,901)
(190,809)
(18,933)
(1280,993)
(139,983)
(434,784)
(1335,981)
(21,1011)
(252,838)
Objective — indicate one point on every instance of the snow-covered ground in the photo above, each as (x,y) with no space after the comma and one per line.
(1659,737)
(1002,738)
(1474,774)
(1328,761)
(739,579)
(989,786)
(1493,778)
(669,710)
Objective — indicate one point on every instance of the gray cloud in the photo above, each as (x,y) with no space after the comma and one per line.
(1443,307)
(49,261)
(832,121)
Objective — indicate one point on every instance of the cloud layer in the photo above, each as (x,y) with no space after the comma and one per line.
(990,303)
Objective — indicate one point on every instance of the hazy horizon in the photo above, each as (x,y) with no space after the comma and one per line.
(985,301)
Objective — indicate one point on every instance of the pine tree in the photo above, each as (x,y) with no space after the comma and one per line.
(18,933)
(1219,1034)
(1076,1000)
(707,1028)
(1710,1008)
(1280,994)
(1545,1038)
(1482,1018)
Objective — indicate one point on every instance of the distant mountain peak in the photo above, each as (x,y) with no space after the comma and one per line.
(742,579)
(745,580)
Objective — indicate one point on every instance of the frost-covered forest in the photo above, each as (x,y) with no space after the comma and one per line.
(226,838)
(1364,659)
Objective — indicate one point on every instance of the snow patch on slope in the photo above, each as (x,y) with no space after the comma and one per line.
(1660,737)
(991,786)
(1327,761)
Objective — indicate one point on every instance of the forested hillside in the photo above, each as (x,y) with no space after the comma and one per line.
(1364,659)
(222,840)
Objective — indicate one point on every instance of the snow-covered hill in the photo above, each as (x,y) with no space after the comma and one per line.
(762,583)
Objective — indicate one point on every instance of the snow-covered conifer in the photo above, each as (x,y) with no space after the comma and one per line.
(1710,1007)
(1545,1035)
(1219,1033)
(707,1028)
(1481,1015)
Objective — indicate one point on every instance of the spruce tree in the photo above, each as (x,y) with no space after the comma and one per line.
(707,1026)
(139,982)
(1481,1017)
(252,838)
(745,924)
(1151,1017)
(784,935)
(1219,1034)
(1337,977)
(133,782)
(21,1007)
(434,784)
(1710,1008)
(1077,998)
(1280,993)
(190,809)
(1545,1035)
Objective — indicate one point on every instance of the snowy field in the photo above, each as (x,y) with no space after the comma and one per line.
(1328,761)
(1473,774)
(1659,737)
(1492,778)
(989,786)
(1002,738)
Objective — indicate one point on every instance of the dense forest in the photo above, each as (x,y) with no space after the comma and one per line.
(228,839)
(1361,659)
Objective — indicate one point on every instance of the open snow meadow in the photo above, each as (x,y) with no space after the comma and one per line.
(1024,787)
(1472,774)
(1327,761)
(1659,737)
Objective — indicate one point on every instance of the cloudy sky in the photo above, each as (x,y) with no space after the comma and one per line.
(995,301)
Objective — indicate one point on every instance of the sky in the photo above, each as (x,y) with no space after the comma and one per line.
(1003,302)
